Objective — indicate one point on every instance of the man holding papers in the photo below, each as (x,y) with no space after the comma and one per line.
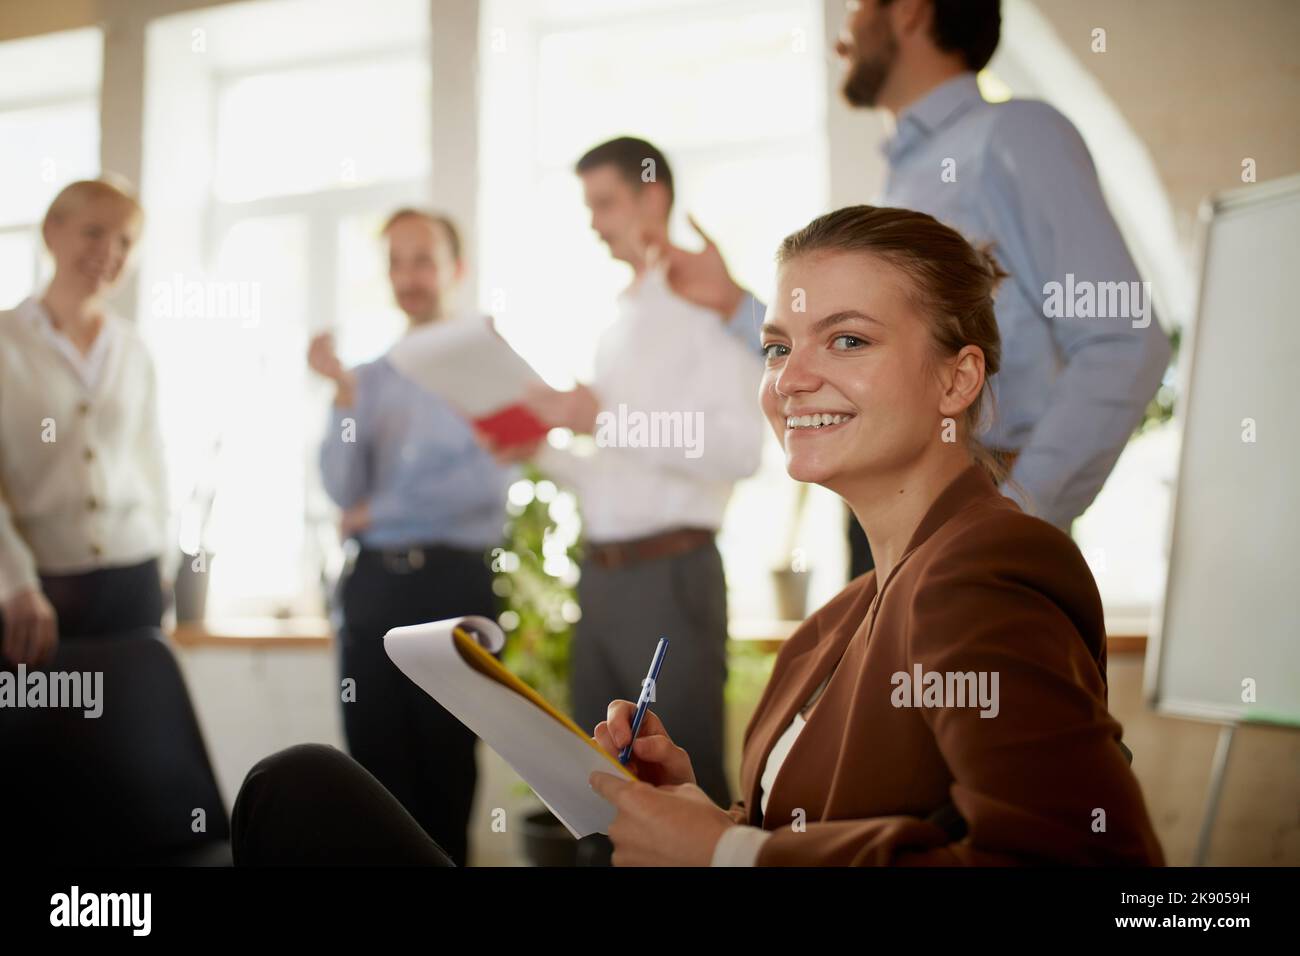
(673,413)
(425,502)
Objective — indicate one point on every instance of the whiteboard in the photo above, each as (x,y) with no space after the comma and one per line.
(1231,609)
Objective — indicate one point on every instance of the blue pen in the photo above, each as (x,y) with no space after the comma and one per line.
(647,695)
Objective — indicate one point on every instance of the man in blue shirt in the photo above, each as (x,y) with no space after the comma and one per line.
(1074,381)
(1082,352)
(425,502)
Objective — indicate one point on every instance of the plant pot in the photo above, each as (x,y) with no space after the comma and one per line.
(191,586)
(791,594)
(547,842)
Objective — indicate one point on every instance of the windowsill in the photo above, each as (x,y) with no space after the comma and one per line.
(1125,634)
(259,632)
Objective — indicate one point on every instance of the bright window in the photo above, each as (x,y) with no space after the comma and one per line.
(49,125)
(733,93)
(303,131)
(278,136)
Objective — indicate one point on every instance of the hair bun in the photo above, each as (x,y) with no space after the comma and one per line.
(991,265)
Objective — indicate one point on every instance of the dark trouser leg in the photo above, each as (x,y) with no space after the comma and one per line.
(411,743)
(373,719)
(593,681)
(311,805)
(624,613)
(860,559)
(444,772)
(693,699)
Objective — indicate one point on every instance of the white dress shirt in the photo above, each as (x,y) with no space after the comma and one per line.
(664,355)
(82,480)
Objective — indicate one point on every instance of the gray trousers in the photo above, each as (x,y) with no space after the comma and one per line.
(624,613)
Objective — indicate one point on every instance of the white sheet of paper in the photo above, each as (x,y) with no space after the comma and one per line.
(545,753)
(464,361)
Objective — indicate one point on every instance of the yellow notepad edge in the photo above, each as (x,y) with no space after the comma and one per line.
(490,667)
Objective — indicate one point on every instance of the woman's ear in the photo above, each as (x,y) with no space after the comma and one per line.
(963,380)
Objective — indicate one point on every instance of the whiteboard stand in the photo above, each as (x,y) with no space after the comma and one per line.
(1228,611)
(1218,771)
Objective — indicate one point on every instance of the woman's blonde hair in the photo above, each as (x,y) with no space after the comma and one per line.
(952,281)
(75,196)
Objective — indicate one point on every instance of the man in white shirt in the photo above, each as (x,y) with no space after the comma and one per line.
(674,411)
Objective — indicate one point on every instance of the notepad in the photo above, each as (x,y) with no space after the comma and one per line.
(452,662)
(466,363)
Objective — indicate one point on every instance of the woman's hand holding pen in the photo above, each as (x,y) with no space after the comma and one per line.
(664,818)
(675,825)
(655,758)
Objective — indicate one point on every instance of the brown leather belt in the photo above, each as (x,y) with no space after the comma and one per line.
(619,554)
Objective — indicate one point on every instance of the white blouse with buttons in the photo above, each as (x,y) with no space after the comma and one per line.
(82,479)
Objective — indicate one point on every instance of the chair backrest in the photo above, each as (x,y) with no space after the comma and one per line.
(124,787)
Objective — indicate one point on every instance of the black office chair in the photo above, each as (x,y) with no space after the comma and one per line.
(119,789)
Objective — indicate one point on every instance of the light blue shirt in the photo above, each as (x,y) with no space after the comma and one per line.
(1071,389)
(415,460)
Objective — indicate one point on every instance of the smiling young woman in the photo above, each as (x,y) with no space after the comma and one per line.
(878,352)
(879,347)
(884,324)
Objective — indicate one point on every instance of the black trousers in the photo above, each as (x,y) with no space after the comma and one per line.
(860,559)
(105,601)
(624,613)
(312,805)
(420,753)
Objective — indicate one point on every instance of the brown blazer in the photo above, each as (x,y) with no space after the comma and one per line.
(982,587)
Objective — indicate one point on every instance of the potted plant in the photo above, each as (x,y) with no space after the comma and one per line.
(535,576)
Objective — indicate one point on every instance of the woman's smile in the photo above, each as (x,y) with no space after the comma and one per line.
(816,423)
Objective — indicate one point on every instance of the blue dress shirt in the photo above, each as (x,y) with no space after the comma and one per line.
(415,460)
(1071,389)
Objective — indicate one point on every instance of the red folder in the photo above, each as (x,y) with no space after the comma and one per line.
(513,425)
(475,370)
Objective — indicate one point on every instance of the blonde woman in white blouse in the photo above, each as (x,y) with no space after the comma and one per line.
(82,490)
